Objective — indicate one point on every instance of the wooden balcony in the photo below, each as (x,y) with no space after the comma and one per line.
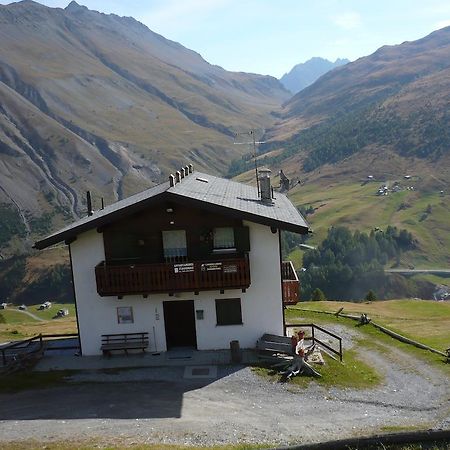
(118,280)
(291,285)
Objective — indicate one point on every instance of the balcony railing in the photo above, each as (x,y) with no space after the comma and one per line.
(291,284)
(169,278)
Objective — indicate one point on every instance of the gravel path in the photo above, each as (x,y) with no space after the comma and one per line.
(159,405)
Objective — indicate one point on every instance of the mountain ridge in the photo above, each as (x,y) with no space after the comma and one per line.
(304,74)
(124,105)
(396,97)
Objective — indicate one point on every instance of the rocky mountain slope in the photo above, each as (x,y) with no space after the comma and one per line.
(304,74)
(395,100)
(100,102)
(381,122)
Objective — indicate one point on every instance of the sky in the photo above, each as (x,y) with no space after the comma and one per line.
(271,36)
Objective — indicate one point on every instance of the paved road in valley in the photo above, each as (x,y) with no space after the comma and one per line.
(414,271)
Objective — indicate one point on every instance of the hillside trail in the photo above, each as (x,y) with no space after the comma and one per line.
(30,314)
(161,405)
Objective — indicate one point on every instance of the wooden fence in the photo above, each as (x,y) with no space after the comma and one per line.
(10,352)
(315,339)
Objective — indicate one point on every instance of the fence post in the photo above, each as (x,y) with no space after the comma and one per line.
(312,333)
(340,349)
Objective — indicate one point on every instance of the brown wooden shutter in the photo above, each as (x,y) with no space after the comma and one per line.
(242,239)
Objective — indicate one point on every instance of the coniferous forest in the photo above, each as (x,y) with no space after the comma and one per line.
(347,264)
(335,139)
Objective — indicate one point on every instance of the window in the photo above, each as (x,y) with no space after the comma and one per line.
(223,238)
(228,311)
(174,243)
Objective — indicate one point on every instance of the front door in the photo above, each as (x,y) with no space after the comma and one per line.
(179,320)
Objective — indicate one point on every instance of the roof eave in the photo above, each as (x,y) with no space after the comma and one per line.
(287,226)
(98,222)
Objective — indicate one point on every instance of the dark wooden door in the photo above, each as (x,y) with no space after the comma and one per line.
(179,319)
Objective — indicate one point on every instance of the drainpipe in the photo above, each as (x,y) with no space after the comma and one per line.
(281,282)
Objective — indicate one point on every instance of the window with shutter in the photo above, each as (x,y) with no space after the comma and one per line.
(228,311)
(242,239)
(174,244)
(223,238)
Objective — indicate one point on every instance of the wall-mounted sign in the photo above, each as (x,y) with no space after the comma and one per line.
(125,314)
(183,268)
(211,266)
(230,268)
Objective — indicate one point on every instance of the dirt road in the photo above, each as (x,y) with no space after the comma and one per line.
(160,405)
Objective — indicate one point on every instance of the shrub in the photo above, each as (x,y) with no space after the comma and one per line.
(317,295)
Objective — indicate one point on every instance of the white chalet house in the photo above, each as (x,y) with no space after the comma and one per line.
(194,262)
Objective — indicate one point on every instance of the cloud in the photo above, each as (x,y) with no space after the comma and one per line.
(174,14)
(442,24)
(434,7)
(348,20)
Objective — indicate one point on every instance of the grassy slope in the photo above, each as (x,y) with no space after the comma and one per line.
(15,325)
(353,373)
(425,321)
(355,205)
(341,198)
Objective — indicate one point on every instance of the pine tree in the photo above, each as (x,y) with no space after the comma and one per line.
(317,295)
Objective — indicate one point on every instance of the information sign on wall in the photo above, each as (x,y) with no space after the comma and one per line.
(183,268)
(211,266)
(230,268)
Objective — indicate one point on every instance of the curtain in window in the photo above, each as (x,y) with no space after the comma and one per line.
(224,237)
(174,243)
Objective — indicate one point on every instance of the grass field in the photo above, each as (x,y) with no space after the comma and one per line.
(353,373)
(15,325)
(425,321)
(356,206)
(29,445)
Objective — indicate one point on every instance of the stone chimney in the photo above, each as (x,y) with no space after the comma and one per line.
(264,185)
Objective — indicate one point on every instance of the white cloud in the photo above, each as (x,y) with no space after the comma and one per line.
(437,7)
(348,20)
(442,24)
(174,14)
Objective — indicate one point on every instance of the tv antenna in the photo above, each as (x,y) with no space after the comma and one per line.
(252,142)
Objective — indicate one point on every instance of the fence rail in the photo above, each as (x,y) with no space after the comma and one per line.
(172,277)
(35,344)
(314,328)
(290,283)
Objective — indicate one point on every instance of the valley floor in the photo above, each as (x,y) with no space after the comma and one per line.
(159,405)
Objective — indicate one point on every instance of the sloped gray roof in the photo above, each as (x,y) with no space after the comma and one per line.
(201,191)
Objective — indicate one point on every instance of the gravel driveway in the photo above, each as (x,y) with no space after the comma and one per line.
(162,406)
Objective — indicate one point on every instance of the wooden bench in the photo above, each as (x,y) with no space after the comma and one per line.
(124,341)
(273,343)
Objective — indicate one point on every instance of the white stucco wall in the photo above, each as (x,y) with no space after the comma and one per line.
(261,303)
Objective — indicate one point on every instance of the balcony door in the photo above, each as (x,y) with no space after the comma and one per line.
(174,245)
(179,319)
